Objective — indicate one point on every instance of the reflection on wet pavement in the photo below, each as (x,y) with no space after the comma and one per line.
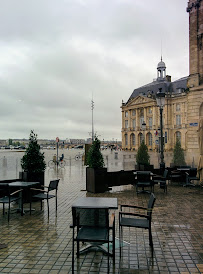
(38,245)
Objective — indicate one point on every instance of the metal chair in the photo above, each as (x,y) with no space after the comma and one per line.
(130,219)
(175,176)
(8,197)
(162,180)
(144,180)
(191,176)
(92,226)
(45,194)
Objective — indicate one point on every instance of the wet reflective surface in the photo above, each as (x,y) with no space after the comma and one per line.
(36,244)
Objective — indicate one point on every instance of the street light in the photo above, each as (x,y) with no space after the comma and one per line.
(160,99)
(144,128)
(92,107)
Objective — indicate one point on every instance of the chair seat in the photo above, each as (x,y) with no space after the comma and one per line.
(132,222)
(95,234)
(6,199)
(162,183)
(43,196)
(194,178)
(176,176)
(144,183)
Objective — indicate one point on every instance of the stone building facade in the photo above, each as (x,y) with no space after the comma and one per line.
(183,108)
(141,109)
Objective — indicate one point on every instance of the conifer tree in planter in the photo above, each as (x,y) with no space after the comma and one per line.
(33,163)
(178,155)
(142,157)
(95,172)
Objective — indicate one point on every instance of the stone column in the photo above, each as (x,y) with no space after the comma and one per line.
(137,118)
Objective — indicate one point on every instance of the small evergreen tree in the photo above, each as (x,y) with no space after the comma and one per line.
(142,156)
(33,160)
(94,156)
(178,155)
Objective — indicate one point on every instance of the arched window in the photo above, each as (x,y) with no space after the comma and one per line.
(133,139)
(141,138)
(178,136)
(126,139)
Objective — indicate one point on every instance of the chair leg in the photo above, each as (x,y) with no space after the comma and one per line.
(56,204)
(48,206)
(113,249)
(21,206)
(73,253)
(150,237)
(3,209)
(30,202)
(120,238)
(108,256)
(78,249)
(41,204)
(9,206)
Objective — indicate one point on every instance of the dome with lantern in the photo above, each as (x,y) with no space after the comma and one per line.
(161,64)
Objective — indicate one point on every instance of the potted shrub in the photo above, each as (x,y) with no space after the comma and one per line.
(142,156)
(33,163)
(95,172)
(178,155)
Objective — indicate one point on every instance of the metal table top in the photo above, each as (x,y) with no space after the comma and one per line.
(23,184)
(96,202)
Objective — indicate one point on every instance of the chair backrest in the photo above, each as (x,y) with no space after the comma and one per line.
(53,185)
(184,166)
(192,172)
(4,189)
(93,217)
(150,206)
(143,176)
(165,173)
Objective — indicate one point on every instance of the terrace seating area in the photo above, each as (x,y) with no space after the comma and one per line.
(38,244)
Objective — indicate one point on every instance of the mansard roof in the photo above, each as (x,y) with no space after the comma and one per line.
(167,87)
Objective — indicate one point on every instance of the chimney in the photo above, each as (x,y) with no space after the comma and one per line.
(168,78)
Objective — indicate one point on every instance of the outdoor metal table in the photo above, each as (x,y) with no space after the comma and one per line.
(183,169)
(95,203)
(23,185)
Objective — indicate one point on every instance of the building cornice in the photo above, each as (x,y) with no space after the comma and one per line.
(195,4)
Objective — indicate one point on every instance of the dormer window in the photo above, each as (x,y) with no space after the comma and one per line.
(180,90)
(177,107)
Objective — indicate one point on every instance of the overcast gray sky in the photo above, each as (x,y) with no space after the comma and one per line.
(56,54)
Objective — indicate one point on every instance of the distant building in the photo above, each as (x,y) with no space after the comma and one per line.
(141,108)
(77,141)
(183,108)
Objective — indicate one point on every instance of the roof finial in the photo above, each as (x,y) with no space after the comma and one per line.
(161,49)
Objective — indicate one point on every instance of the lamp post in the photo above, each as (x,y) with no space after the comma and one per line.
(92,107)
(144,128)
(160,98)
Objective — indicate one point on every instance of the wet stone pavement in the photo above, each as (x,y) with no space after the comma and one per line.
(36,244)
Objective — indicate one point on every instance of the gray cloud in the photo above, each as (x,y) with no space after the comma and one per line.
(56,55)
